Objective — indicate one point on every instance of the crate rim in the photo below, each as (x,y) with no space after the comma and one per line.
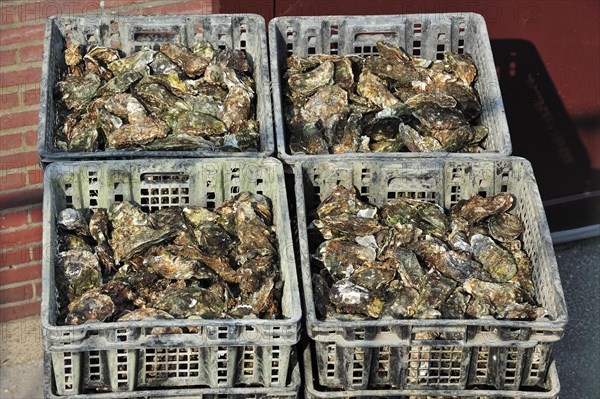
(53,155)
(291,324)
(313,324)
(311,391)
(276,83)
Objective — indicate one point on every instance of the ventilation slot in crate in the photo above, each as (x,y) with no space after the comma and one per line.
(122,369)
(94,366)
(275,352)
(162,363)
(68,370)
(160,190)
(383,363)
(434,365)
(93,188)
(222,359)
(358,366)
(510,373)
(249,361)
(331,359)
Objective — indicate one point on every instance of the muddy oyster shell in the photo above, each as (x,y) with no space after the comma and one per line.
(91,306)
(190,301)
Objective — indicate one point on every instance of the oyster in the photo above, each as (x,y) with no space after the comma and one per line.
(344,200)
(401,302)
(307,84)
(371,87)
(351,298)
(120,294)
(75,220)
(189,301)
(90,306)
(478,208)
(77,272)
(136,62)
(98,226)
(169,264)
(342,258)
(119,83)
(455,265)
(68,242)
(78,91)
(434,289)
(505,227)
(191,63)
(497,261)
(347,225)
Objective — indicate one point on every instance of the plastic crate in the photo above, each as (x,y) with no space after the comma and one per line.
(289,391)
(129,34)
(223,352)
(426,34)
(549,390)
(372,354)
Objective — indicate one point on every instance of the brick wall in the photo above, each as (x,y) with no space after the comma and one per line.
(21,34)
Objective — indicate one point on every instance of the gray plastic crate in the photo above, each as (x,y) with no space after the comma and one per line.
(289,391)
(130,33)
(426,34)
(505,354)
(549,390)
(222,352)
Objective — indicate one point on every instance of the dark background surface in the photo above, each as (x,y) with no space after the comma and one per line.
(548,58)
(547,55)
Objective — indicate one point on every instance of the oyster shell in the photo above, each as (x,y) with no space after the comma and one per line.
(136,62)
(191,63)
(75,220)
(371,87)
(152,314)
(78,91)
(189,301)
(90,306)
(497,261)
(342,258)
(505,227)
(307,84)
(354,299)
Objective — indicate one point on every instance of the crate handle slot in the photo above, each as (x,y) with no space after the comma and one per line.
(161,178)
(154,36)
(375,36)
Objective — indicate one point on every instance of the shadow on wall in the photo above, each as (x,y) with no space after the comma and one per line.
(542,131)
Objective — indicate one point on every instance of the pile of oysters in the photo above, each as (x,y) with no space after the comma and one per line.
(411,259)
(124,264)
(177,98)
(388,102)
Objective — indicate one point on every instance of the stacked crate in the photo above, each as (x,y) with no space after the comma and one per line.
(234,358)
(387,358)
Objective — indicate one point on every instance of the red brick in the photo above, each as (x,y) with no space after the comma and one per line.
(12,181)
(10,141)
(22,34)
(33,195)
(35,176)
(8,57)
(16,294)
(20,160)
(16,275)
(19,311)
(36,253)
(31,54)
(11,220)
(7,14)
(19,237)
(31,96)
(31,138)
(196,7)
(27,118)
(16,257)
(35,215)
(38,289)
(21,77)
(9,100)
